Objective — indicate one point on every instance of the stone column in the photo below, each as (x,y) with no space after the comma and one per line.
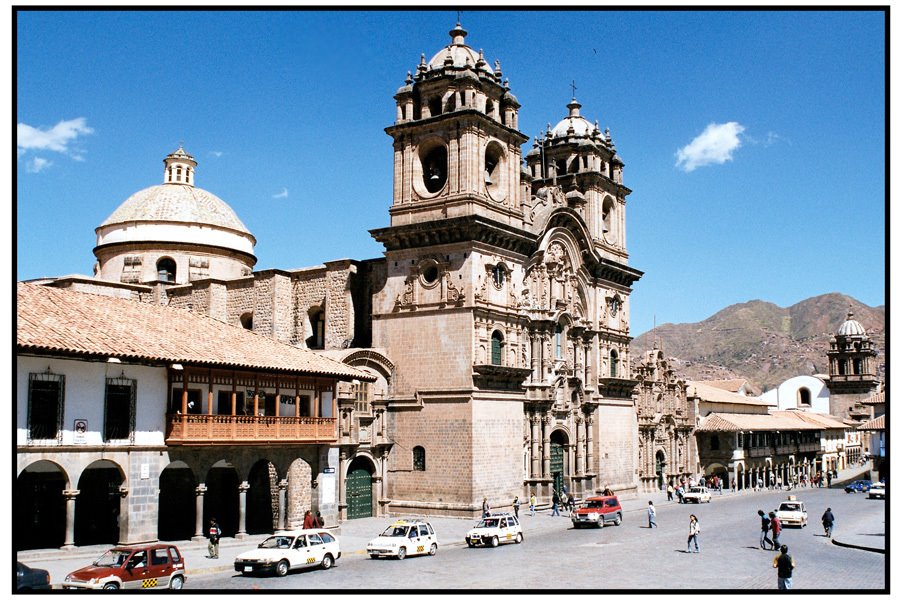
(534,451)
(546,447)
(342,485)
(243,487)
(535,357)
(580,456)
(199,491)
(590,444)
(70,496)
(283,488)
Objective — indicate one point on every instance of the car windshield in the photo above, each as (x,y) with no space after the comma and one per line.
(488,523)
(395,531)
(697,490)
(594,504)
(277,541)
(790,506)
(112,558)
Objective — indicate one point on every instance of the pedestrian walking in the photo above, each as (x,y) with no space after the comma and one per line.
(733,485)
(827,519)
(564,499)
(765,529)
(485,507)
(214,533)
(670,492)
(829,478)
(532,505)
(555,500)
(694,530)
(651,515)
(318,519)
(777,528)
(516,504)
(571,504)
(720,486)
(784,564)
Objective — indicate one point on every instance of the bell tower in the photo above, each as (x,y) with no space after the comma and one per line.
(456,143)
(853,370)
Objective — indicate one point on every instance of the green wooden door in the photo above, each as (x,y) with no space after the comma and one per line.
(557,466)
(359,487)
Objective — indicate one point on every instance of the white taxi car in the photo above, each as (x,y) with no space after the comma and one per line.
(878,490)
(404,538)
(792,512)
(290,550)
(697,494)
(495,529)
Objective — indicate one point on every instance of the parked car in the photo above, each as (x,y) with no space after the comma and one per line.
(132,568)
(404,538)
(878,490)
(296,549)
(31,579)
(495,529)
(860,485)
(792,512)
(697,494)
(597,511)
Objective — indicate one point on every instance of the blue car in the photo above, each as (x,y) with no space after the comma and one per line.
(860,485)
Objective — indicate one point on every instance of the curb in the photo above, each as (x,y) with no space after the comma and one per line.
(857,547)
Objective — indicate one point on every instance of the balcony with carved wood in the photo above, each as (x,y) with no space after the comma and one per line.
(206,430)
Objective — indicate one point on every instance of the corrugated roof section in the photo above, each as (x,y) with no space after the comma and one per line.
(69,322)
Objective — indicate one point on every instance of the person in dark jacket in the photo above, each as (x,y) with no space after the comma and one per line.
(784,564)
(765,529)
(827,520)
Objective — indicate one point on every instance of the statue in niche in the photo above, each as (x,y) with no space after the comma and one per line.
(554,254)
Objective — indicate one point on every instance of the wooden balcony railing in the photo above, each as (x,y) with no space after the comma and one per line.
(202,430)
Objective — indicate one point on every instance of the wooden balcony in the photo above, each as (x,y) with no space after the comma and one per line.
(206,430)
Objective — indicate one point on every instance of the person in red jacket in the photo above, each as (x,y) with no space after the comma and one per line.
(777,528)
(309,523)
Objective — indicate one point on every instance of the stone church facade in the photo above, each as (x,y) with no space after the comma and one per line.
(496,325)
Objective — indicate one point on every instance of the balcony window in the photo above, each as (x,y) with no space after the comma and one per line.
(45,405)
(497,341)
(361,391)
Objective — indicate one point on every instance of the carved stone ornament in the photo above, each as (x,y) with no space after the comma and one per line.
(405,298)
(452,293)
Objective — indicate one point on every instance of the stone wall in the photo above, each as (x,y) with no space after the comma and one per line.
(617,442)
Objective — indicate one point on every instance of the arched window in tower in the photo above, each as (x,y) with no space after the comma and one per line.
(317,318)
(607,215)
(178,173)
(560,166)
(435,168)
(170,173)
(558,341)
(841,367)
(497,342)
(804,397)
(489,107)
(435,106)
(166,270)
(247,320)
(419,458)
(856,366)
(492,174)
(615,363)
(451,103)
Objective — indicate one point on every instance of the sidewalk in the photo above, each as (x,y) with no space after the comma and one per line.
(355,534)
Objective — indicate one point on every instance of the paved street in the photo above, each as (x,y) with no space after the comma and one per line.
(555,556)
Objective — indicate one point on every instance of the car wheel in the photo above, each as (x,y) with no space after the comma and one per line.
(282,568)
(111,586)
(327,562)
(470,543)
(374,556)
(402,552)
(494,542)
(176,583)
(433,549)
(618,520)
(519,538)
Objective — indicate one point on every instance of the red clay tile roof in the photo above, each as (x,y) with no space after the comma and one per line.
(747,422)
(825,421)
(878,424)
(90,325)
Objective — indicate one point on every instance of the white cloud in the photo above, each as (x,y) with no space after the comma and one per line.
(57,139)
(37,164)
(216,153)
(715,145)
(282,194)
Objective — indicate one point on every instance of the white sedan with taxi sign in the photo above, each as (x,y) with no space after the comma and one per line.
(404,538)
(289,550)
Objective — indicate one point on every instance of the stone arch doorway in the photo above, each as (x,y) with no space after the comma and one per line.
(660,464)
(262,498)
(39,519)
(558,455)
(97,509)
(221,498)
(177,502)
(359,489)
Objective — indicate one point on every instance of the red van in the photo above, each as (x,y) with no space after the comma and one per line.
(149,566)
(597,511)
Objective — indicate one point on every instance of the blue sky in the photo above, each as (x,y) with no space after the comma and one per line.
(753,141)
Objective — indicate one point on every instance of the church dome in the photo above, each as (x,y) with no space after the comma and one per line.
(580,125)
(850,326)
(458,54)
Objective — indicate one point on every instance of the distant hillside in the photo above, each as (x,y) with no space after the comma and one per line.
(762,342)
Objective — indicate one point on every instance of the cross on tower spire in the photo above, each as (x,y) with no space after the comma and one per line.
(573,87)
